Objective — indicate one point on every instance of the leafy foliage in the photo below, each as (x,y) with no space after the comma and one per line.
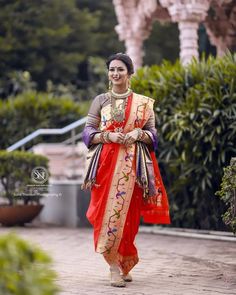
(228,194)
(15,174)
(16,82)
(46,38)
(29,111)
(98,81)
(196,111)
(25,269)
(107,39)
(53,40)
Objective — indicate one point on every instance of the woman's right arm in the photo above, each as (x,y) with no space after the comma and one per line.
(96,139)
(91,132)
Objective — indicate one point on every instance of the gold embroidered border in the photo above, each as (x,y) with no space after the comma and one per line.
(126,263)
(123,178)
(117,203)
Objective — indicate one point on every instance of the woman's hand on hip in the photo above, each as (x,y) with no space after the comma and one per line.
(117,137)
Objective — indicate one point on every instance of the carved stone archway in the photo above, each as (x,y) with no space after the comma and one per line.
(135,18)
(220,25)
(188,14)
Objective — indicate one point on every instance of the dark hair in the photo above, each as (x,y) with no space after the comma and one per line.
(123,57)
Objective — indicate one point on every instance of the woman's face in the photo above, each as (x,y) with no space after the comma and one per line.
(118,73)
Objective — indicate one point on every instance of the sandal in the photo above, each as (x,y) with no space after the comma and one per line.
(127,277)
(116,278)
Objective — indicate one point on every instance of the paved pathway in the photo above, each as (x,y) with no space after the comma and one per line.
(168,265)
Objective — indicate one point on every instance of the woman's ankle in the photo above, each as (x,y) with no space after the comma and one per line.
(114,267)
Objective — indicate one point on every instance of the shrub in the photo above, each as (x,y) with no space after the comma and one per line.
(228,194)
(24,269)
(25,113)
(196,111)
(15,175)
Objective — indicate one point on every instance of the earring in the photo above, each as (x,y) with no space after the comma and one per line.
(110,85)
(129,83)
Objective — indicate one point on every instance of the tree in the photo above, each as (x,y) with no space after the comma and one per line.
(108,42)
(48,38)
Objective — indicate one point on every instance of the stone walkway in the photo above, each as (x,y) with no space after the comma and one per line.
(168,265)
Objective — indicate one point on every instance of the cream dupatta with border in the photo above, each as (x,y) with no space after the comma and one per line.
(123,179)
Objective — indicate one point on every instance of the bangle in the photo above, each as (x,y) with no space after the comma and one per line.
(104,137)
(108,138)
(141,134)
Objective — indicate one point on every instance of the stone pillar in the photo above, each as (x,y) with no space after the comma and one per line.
(188,41)
(134,25)
(218,42)
(188,14)
(221,25)
(134,48)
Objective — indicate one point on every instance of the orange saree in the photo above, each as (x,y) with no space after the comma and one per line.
(117,200)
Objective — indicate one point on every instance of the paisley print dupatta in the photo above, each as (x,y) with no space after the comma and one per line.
(127,184)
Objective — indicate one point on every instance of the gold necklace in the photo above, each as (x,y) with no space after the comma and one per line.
(118,111)
(121,95)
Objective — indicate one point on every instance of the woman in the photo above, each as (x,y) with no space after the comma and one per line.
(122,170)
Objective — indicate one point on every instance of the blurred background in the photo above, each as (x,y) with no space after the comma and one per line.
(60,46)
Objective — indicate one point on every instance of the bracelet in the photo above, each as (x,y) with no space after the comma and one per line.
(108,138)
(141,134)
(104,137)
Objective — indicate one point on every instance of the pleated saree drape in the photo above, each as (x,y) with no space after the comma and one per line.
(117,199)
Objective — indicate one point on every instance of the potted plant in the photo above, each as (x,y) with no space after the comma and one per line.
(23,181)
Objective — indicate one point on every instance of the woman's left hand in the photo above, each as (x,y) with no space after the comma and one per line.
(131,137)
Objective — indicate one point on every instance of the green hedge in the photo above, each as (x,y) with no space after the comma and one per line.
(196,112)
(228,194)
(25,113)
(25,269)
(16,175)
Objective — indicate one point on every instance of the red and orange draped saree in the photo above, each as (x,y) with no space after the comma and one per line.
(117,201)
